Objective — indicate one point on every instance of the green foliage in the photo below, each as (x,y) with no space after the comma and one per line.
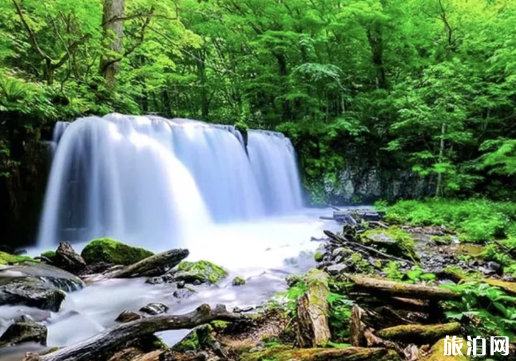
(414,275)
(486,310)
(340,313)
(110,251)
(476,220)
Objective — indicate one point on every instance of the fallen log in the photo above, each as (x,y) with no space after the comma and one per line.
(313,311)
(391,288)
(325,354)
(341,241)
(153,266)
(111,339)
(419,334)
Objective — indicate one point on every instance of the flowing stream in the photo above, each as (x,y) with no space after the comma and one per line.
(163,184)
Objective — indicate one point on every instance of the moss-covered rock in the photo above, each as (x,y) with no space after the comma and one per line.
(395,240)
(49,254)
(323,354)
(6,258)
(437,353)
(21,332)
(202,271)
(110,251)
(199,338)
(238,281)
(318,256)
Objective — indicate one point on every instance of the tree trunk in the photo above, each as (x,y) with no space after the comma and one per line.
(113,27)
(313,311)
(438,191)
(391,288)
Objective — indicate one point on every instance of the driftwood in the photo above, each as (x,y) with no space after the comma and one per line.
(313,311)
(111,339)
(391,288)
(154,265)
(420,334)
(341,241)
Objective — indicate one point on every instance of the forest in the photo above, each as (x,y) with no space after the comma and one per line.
(389,229)
(426,87)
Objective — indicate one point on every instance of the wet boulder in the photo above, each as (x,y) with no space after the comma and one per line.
(198,272)
(128,316)
(36,285)
(21,332)
(238,281)
(67,259)
(154,309)
(108,250)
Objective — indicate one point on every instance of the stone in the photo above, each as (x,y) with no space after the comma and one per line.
(154,309)
(110,251)
(199,272)
(67,259)
(494,266)
(336,269)
(238,281)
(31,292)
(128,316)
(21,332)
(183,293)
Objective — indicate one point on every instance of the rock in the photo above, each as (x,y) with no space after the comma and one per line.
(196,340)
(238,281)
(128,316)
(181,284)
(318,256)
(183,293)
(154,309)
(198,272)
(293,279)
(24,332)
(336,269)
(337,252)
(31,292)
(154,265)
(494,266)
(67,259)
(48,256)
(36,285)
(396,241)
(110,251)
(243,309)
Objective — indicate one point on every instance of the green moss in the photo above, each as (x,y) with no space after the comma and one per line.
(446,239)
(394,239)
(509,287)
(422,333)
(318,256)
(49,254)
(285,353)
(437,353)
(202,271)
(189,343)
(361,265)
(219,325)
(238,281)
(110,251)
(6,258)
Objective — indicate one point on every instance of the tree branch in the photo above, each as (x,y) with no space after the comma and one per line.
(110,339)
(32,36)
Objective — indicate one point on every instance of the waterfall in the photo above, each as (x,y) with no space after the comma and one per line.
(273,160)
(153,181)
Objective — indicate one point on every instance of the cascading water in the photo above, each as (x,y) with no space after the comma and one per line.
(152,181)
(273,160)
